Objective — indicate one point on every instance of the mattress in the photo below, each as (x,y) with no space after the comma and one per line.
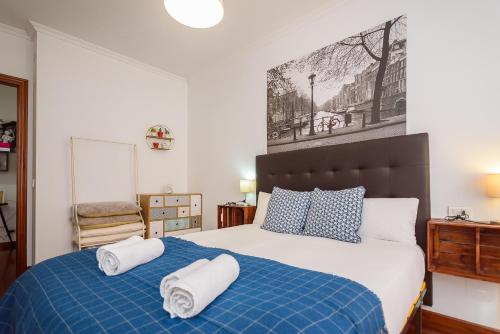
(393,271)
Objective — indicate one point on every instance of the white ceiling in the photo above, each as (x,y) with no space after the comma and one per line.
(143,30)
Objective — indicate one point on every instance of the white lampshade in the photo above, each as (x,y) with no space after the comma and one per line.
(247,186)
(196,13)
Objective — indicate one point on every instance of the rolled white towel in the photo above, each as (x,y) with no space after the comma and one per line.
(180,274)
(121,259)
(189,296)
(127,242)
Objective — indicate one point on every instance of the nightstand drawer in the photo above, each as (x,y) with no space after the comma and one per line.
(183,211)
(177,200)
(163,213)
(176,224)
(156,201)
(457,249)
(490,252)
(155,229)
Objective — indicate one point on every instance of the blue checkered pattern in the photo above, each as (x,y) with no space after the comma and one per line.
(68,294)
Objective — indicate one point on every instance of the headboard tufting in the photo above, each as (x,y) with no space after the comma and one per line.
(387,167)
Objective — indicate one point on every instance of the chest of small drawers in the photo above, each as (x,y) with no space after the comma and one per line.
(171,214)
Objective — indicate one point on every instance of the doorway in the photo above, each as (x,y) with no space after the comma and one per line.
(13,187)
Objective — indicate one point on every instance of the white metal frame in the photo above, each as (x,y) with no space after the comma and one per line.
(74,191)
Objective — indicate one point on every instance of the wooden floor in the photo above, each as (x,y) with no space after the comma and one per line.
(7,268)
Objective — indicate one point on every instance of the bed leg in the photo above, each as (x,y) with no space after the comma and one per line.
(418,321)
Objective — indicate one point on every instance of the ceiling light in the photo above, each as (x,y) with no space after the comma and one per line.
(196,13)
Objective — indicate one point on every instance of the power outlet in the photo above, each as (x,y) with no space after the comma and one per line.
(458,210)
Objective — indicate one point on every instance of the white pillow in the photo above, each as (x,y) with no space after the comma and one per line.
(390,219)
(262,203)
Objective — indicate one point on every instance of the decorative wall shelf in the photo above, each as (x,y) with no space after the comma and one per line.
(160,138)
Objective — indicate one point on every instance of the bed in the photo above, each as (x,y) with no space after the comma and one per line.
(394,272)
(69,294)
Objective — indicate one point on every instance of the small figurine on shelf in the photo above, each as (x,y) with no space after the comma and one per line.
(160,133)
(156,145)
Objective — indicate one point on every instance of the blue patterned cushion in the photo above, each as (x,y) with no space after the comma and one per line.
(287,211)
(335,214)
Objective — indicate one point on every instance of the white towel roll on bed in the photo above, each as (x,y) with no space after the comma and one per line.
(189,296)
(168,280)
(127,242)
(121,259)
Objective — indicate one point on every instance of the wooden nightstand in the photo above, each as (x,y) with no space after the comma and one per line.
(233,215)
(464,249)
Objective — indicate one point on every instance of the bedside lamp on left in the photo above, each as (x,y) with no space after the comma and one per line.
(247,186)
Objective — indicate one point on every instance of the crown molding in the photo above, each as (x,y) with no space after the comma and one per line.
(40,28)
(14,31)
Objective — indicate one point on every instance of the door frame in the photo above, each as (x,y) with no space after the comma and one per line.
(21,150)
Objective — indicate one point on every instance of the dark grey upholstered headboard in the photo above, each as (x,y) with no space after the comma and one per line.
(387,167)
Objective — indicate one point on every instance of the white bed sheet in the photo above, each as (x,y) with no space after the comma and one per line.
(393,271)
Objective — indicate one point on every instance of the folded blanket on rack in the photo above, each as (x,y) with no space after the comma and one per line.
(121,259)
(90,223)
(112,230)
(107,209)
(107,239)
(167,281)
(190,295)
(106,248)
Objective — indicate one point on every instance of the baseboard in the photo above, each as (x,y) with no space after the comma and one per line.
(438,323)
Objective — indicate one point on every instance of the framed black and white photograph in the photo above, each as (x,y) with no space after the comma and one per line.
(351,90)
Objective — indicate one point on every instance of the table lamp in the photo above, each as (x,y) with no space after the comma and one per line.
(493,187)
(247,186)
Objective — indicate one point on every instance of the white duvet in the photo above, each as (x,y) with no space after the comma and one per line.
(393,271)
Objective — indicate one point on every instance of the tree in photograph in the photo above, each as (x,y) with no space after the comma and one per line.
(277,79)
(281,93)
(342,59)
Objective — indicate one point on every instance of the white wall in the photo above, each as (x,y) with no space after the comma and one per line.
(86,91)
(453,71)
(16,59)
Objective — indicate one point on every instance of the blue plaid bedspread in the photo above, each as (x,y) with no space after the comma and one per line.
(68,294)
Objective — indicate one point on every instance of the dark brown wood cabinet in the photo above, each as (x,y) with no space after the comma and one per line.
(234,215)
(464,249)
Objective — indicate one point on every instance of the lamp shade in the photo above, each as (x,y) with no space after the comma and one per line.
(196,13)
(493,185)
(247,186)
